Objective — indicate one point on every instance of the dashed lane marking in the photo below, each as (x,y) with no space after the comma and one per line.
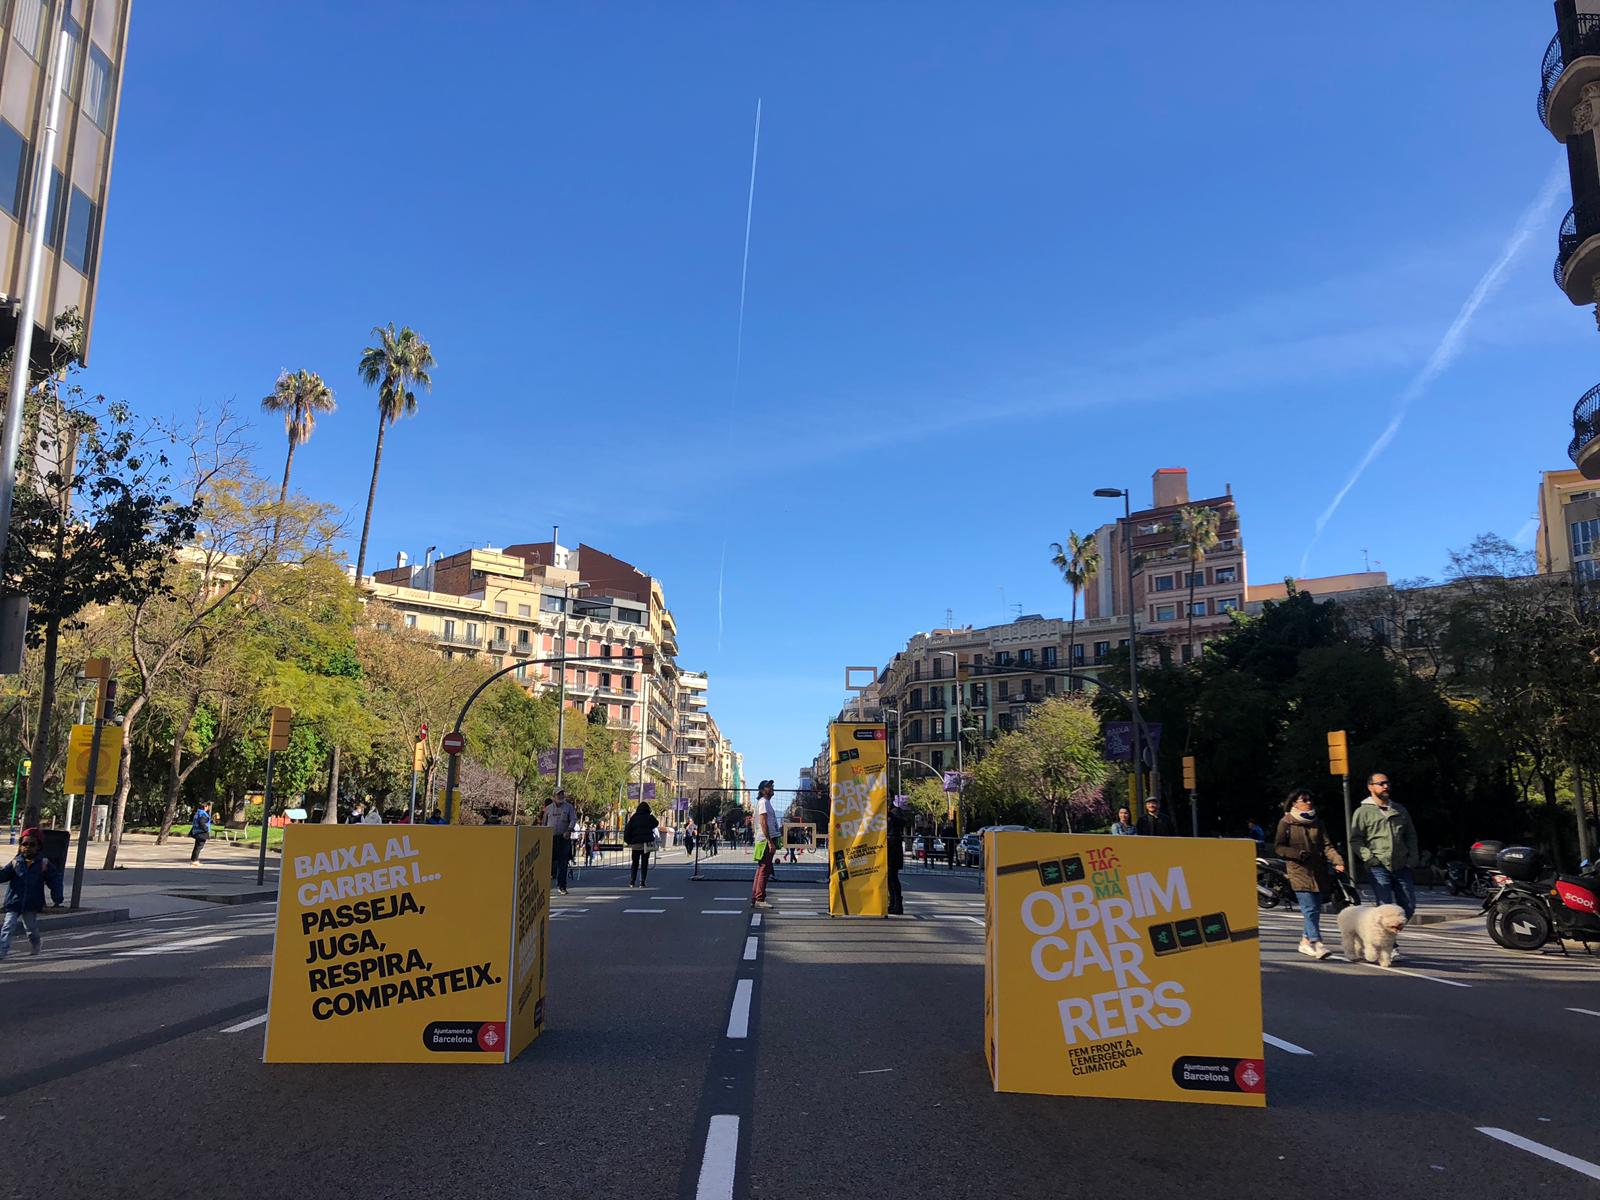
(1283,1045)
(716,1164)
(755,919)
(721,912)
(1588,1012)
(739,1016)
(1581,1166)
(750,949)
(644,910)
(250,1024)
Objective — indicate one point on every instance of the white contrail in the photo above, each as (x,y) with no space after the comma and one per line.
(1449,347)
(738,353)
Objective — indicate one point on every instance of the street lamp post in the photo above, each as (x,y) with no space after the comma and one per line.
(899,729)
(1133,633)
(561,702)
(955,672)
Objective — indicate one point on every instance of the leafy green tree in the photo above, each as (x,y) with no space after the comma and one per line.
(1194,531)
(1052,761)
(400,362)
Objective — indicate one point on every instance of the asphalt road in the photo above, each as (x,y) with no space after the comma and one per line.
(797,1056)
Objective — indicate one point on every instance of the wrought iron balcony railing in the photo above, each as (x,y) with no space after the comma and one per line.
(1585,422)
(1578,35)
(1581,223)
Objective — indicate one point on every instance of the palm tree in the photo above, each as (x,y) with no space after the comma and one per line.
(299,397)
(1194,531)
(399,362)
(1079,562)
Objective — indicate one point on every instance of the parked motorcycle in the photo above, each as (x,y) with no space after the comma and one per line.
(1538,903)
(1478,875)
(1273,890)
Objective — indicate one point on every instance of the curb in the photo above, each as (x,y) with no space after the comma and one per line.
(84,916)
(255,896)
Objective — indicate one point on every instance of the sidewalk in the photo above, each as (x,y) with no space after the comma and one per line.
(153,881)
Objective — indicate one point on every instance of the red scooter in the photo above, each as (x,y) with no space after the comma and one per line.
(1538,903)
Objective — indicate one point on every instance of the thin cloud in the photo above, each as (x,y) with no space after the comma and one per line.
(1449,347)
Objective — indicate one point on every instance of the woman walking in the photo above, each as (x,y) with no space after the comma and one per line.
(1124,823)
(639,833)
(1307,855)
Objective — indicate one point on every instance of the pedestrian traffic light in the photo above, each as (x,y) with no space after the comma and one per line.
(1338,753)
(278,736)
(1188,772)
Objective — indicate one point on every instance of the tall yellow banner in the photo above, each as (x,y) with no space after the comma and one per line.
(858,824)
(1123,966)
(409,943)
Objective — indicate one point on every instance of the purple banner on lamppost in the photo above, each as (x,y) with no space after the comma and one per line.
(681,804)
(952,781)
(572,760)
(547,762)
(1119,740)
(649,791)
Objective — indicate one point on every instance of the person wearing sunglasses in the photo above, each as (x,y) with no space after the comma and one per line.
(27,877)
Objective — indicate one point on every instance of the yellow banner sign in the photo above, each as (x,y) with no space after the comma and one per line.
(105,777)
(858,826)
(1123,967)
(421,946)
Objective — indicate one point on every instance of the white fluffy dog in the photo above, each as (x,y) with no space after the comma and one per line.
(1369,932)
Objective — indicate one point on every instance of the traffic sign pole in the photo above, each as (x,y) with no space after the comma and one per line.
(102,712)
(266,816)
(453,743)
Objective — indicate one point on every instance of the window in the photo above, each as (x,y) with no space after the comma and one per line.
(1003,658)
(472,631)
(549,603)
(1195,579)
(1586,570)
(1149,528)
(582,678)
(13,169)
(983,724)
(936,697)
(1005,689)
(1077,654)
(1227,575)
(494,661)
(1227,604)
(524,611)
(938,729)
(980,695)
(1122,643)
(74,35)
(605,680)
(1050,685)
(936,760)
(1188,652)
(449,631)
(1165,583)
(52,212)
(1025,658)
(411,620)
(522,638)
(499,606)
(627,712)
(500,634)
(1005,722)
(1027,689)
(916,701)
(1101,649)
(916,670)
(1166,612)
(97,88)
(977,660)
(521,672)
(938,668)
(605,651)
(30,25)
(1050,656)
(916,732)
(1197,609)
(627,683)
(1584,536)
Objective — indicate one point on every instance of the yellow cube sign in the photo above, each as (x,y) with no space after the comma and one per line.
(406,944)
(858,820)
(76,780)
(1122,967)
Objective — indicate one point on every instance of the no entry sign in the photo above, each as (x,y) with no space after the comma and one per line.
(453,742)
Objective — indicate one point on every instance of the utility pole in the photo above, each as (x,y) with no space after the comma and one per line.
(1133,639)
(104,705)
(1339,764)
(277,739)
(418,762)
(14,609)
(561,704)
(1194,799)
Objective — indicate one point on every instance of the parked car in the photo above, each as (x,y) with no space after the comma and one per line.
(970,852)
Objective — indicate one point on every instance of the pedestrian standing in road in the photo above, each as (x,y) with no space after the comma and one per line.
(766,847)
(1308,859)
(1123,825)
(561,819)
(639,836)
(372,817)
(950,845)
(27,877)
(1384,841)
(899,827)
(200,830)
(688,843)
(1155,823)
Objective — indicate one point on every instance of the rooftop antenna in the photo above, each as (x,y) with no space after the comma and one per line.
(949,618)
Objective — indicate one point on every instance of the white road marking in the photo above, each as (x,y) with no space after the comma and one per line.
(739,1018)
(716,1166)
(173,947)
(755,918)
(790,912)
(1588,1012)
(722,899)
(875,1071)
(644,910)
(749,946)
(1412,974)
(1283,1045)
(250,1024)
(704,912)
(1579,1165)
(948,916)
(658,897)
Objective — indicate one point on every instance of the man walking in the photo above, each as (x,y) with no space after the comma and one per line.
(766,847)
(1154,822)
(26,878)
(561,819)
(200,829)
(899,826)
(1384,840)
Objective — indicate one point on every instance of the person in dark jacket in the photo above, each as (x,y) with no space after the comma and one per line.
(899,827)
(640,834)
(200,830)
(27,877)
(1308,859)
(1154,822)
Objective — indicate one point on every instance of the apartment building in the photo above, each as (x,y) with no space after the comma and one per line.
(1569,526)
(505,607)
(692,743)
(96,36)
(1569,106)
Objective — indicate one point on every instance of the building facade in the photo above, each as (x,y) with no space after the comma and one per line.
(1569,526)
(96,36)
(1569,106)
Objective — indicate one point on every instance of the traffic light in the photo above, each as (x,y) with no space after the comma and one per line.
(1188,772)
(963,668)
(1338,753)
(278,735)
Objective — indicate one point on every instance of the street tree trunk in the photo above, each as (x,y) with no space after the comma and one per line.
(41,736)
(330,812)
(283,492)
(175,772)
(124,780)
(372,495)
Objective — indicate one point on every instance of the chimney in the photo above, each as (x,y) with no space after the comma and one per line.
(1169,486)
(400,560)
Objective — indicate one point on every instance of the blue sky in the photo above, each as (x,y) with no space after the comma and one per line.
(1000,255)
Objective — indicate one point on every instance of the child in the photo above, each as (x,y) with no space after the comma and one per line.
(27,877)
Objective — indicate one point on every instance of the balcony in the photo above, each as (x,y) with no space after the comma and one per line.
(499,645)
(1578,249)
(523,648)
(1571,62)
(1584,450)
(454,637)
